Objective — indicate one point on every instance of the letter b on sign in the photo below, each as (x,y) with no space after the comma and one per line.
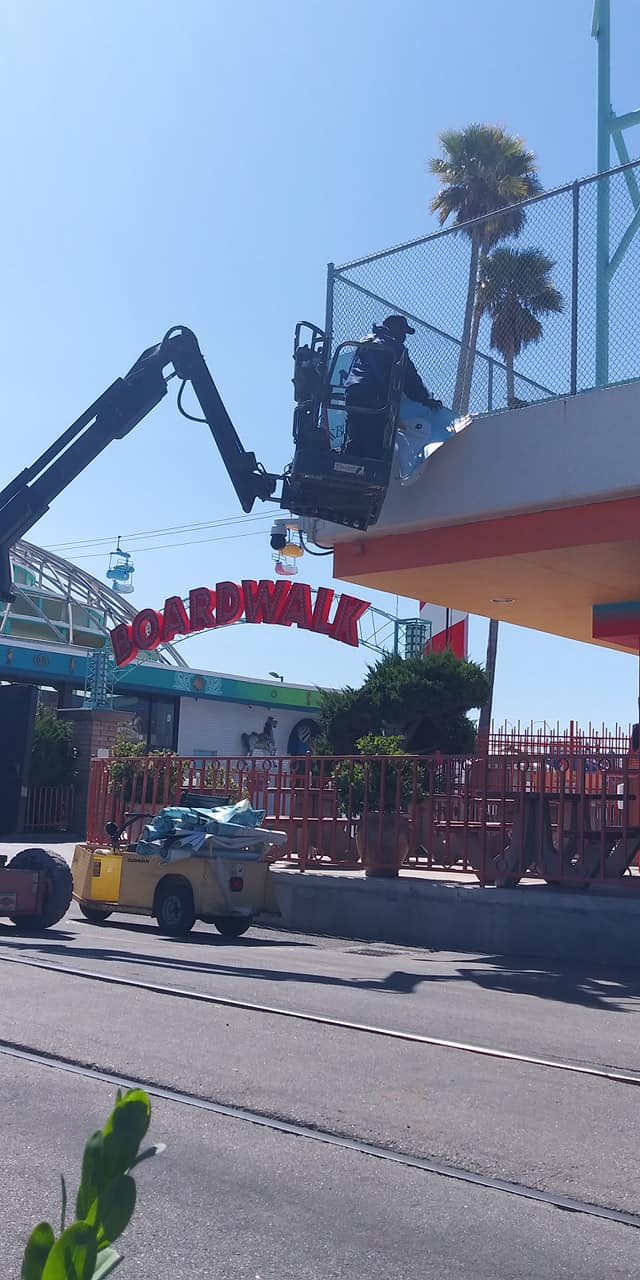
(146,629)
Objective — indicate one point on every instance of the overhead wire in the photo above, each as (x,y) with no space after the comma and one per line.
(98,544)
(169,546)
(168,529)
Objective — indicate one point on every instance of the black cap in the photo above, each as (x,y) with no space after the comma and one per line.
(398,324)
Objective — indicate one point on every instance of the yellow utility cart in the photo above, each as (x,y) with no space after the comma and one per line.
(225,882)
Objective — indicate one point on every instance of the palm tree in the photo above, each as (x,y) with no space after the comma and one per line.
(515,290)
(483,169)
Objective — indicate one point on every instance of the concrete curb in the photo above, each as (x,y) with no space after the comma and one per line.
(532,920)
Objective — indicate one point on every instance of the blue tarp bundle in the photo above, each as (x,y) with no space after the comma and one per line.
(186,827)
(421,432)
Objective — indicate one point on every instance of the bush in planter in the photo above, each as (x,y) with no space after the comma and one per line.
(381,793)
(373,786)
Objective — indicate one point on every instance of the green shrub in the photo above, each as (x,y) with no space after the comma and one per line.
(53,756)
(422,700)
(132,783)
(377,786)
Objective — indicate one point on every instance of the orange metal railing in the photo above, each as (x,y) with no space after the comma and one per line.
(568,820)
(543,739)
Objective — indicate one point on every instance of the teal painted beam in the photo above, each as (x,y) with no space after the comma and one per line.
(40,665)
(626,121)
(624,244)
(629,174)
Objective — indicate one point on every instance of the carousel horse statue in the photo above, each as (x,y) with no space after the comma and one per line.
(264,743)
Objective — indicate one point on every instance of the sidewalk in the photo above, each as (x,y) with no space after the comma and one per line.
(64,844)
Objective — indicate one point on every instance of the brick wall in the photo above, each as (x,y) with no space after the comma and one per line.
(93,732)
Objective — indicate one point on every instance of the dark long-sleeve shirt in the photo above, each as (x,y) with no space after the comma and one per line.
(371,371)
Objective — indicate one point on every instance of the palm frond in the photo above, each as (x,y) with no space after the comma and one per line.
(484,169)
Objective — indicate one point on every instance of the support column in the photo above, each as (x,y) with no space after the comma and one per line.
(94,731)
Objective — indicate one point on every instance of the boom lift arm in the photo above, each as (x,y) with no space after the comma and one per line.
(319,483)
(111,417)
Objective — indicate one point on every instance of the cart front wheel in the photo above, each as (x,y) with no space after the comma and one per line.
(174,909)
(232,926)
(95,915)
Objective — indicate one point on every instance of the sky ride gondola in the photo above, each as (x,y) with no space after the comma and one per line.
(120,571)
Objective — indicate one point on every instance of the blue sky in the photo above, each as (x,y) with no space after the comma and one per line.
(200,163)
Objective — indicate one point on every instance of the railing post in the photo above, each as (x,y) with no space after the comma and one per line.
(575,262)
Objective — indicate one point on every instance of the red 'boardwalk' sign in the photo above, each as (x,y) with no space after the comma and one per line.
(284,603)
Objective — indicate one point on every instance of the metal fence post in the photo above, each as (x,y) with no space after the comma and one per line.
(328,314)
(602,32)
(575,262)
(490,386)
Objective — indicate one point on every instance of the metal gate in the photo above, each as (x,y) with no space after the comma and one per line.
(17,717)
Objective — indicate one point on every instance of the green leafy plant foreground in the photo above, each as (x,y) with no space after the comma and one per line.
(105,1202)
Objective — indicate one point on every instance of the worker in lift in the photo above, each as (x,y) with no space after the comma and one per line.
(367,386)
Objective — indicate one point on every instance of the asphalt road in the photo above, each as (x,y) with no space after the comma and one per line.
(232,1200)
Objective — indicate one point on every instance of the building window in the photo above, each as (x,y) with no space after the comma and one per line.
(153,720)
(136,712)
(162,725)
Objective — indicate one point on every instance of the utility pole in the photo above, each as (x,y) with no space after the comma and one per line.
(610,128)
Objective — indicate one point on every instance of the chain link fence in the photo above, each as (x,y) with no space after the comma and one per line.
(545,319)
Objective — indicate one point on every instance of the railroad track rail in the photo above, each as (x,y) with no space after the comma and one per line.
(328,1137)
(609,1073)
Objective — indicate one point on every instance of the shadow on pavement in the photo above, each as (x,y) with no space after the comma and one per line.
(613,991)
(202,937)
(10,931)
(593,989)
(398,981)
